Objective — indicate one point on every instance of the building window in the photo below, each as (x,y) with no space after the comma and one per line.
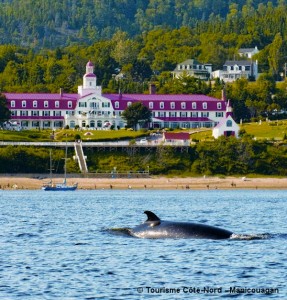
(57,104)
(161,114)
(183,114)
(82,104)
(72,124)
(13,113)
(183,105)
(205,114)
(35,104)
(24,103)
(172,105)
(106,104)
(193,105)
(58,124)
(57,113)
(219,106)
(204,105)
(117,104)
(35,123)
(35,113)
(228,123)
(194,114)
(172,114)
(129,103)
(12,103)
(46,104)
(161,105)
(23,113)
(150,105)
(219,114)
(69,104)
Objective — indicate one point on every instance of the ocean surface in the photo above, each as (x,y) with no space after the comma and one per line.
(69,245)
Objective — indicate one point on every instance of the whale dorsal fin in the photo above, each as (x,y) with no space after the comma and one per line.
(152,218)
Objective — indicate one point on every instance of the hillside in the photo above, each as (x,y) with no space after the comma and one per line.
(43,23)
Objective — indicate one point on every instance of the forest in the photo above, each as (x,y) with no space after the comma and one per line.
(224,156)
(45,45)
(50,24)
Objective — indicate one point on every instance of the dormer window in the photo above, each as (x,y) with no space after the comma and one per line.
(150,105)
(193,105)
(57,104)
(24,104)
(35,104)
(172,105)
(183,106)
(117,104)
(204,105)
(129,104)
(69,104)
(13,103)
(46,104)
(219,106)
(161,105)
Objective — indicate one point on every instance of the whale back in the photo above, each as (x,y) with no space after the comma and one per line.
(154,227)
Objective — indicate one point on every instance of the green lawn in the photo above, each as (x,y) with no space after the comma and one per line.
(273,130)
(69,134)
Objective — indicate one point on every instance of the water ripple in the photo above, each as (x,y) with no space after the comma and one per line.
(60,247)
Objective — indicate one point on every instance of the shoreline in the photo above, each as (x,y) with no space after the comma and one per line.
(163,183)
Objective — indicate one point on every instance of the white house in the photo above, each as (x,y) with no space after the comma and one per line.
(236,69)
(90,108)
(177,138)
(193,68)
(248,52)
(227,126)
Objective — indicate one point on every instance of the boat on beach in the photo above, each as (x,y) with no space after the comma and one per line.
(51,186)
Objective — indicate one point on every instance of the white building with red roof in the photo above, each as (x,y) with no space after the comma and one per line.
(89,108)
(176,138)
(227,126)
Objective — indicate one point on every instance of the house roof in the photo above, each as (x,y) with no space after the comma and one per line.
(176,135)
(223,122)
(246,50)
(167,99)
(190,62)
(238,62)
(41,96)
(90,64)
(182,102)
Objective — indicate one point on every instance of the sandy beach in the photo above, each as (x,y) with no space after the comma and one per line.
(196,183)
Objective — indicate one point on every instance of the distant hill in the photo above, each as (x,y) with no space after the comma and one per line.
(50,24)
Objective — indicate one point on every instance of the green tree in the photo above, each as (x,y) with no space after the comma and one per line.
(4,111)
(135,114)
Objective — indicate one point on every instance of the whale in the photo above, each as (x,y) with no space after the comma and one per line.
(155,228)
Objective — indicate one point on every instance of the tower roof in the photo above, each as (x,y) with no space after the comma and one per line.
(89,64)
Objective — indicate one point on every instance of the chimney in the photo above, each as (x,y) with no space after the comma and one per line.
(152,89)
(229,110)
(61,92)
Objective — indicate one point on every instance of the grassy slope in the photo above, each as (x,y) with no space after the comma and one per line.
(266,130)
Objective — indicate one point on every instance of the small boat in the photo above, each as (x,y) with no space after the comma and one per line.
(50,186)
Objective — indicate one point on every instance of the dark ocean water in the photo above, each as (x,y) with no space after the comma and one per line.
(58,245)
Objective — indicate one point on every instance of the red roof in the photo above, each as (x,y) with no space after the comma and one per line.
(90,64)
(90,75)
(176,135)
